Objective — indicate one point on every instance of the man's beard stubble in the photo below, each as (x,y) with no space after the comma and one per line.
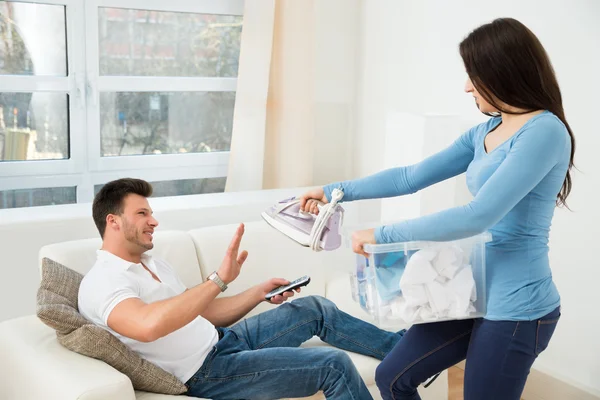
(132,235)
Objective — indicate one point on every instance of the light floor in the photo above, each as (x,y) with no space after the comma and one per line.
(455,383)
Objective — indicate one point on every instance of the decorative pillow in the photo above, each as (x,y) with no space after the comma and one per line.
(57,308)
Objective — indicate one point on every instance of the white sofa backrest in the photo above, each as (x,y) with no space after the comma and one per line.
(270,255)
(195,254)
(175,247)
(79,255)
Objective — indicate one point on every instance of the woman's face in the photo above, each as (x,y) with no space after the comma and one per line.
(482,104)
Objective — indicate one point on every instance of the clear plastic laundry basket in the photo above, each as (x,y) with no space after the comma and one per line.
(420,282)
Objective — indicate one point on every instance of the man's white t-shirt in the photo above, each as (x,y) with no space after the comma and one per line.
(112,280)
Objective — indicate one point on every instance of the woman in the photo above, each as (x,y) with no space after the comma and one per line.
(517,166)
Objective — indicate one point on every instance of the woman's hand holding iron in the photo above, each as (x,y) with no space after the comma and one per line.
(310,200)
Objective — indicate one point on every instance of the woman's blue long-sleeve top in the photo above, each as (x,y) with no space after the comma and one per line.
(515,188)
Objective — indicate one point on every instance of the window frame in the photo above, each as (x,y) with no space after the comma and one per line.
(72,86)
(83,84)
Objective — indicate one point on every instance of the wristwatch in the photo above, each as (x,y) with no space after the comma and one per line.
(215,278)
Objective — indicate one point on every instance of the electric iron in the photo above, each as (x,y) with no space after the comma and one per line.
(319,232)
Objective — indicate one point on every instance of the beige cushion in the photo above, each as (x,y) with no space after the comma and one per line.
(57,298)
(57,308)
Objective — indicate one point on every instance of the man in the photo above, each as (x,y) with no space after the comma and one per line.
(185,331)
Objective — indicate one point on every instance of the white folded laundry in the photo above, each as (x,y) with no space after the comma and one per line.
(396,307)
(418,270)
(454,313)
(403,311)
(427,254)
(436,284)
(448,261)
(426,314)
(462,287)
(439,298)
(415,295)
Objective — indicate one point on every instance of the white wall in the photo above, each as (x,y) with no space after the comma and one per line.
(337,29)
(410,64)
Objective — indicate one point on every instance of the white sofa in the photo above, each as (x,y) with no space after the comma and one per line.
(36,366)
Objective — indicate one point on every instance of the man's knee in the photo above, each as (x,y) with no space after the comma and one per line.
(339,360)
(316,302)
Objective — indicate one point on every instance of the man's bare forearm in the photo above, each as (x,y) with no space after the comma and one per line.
(226,311)
(167,316)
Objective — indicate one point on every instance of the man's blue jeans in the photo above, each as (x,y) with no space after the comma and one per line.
(259,358)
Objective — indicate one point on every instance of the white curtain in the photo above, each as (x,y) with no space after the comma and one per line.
(293,115)
(250,114)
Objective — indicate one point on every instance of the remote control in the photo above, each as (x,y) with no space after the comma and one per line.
(293,285)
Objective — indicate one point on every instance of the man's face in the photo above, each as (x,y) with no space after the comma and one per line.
(137,223)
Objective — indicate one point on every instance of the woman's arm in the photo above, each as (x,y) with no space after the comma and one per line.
(533,154)
(449,162)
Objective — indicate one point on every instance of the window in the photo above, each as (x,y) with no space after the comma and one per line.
(183,186)
(34,126)
(137,123)
(95,90)
(37,197)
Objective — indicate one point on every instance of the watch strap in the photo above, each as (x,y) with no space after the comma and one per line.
(216,279)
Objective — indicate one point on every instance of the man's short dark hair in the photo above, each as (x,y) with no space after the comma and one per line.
(109,199)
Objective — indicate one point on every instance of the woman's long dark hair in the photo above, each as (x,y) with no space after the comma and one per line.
(507,63)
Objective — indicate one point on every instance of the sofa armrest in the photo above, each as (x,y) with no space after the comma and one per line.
(36,366)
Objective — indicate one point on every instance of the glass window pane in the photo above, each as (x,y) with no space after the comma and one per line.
(32,39)
(157,43)
(133,123)
(183,187)
(188,186)
(34,126)
(38,197)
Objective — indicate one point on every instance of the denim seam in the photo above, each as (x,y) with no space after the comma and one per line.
(326,326)
(285,333)
(346,381)
(228,378)
(207,364)
(516,329)
(353,341)
(537,332)
(422,358)
(537,338)
(233,377)
(506,353)
(549,321)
